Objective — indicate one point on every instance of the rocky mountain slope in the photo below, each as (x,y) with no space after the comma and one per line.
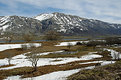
(20,25)
(74,25)
(65,24)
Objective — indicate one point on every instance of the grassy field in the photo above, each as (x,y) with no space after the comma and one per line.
(108,72)
(28,71)
(50,47)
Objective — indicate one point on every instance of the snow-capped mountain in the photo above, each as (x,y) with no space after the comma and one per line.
(74,25)
(65,24)
(19,25)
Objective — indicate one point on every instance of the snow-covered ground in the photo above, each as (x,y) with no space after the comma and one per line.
(74,42)
(58,75)
(21,61)
(102,62)
(46,53)
(114,54)
(71,43)
(12,46)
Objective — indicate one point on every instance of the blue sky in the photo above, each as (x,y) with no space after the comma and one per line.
(105,10)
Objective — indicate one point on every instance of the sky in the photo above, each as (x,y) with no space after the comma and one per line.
(105,10)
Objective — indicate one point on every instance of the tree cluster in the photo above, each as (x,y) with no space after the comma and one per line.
(52,36)
(113,40)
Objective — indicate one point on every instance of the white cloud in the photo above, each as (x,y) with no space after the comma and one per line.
(84,8)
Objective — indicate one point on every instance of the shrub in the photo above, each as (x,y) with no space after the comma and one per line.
(69,45)
(78,43)
(31,45)
(9,57)
(95,43)
(113,40)
(24,47)
(28,37)
(52,36)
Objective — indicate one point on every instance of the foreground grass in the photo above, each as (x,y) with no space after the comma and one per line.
(7,66)
(28,71)
(108,72)
(106,55)
(118,49)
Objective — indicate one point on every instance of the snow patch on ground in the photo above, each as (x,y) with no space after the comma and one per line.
(102,62)
(22,62)
(72,43)
(12,46)
(114,53)
(46,53)
(58,75)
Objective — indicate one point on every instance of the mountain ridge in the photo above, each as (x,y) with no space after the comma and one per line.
(60,22)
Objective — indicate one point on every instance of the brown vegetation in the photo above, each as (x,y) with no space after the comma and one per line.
(52,36)
(108,72)
(29,72)
(13,51)
(3,66)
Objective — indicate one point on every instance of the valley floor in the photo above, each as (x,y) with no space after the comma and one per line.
(52,64)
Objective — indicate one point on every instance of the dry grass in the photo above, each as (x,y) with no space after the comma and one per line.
(19,51)
(118,49)
(48,47)
(7,66)
(106,55)
(82,50)
(56,60)
(20,42)
(28,71)
(57,55)
(13,51)
(52,68)
(108,72)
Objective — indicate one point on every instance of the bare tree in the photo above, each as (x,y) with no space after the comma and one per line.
(33,58)
(9,57)
(116,56)
(97,64)
(69,45)
(24,47)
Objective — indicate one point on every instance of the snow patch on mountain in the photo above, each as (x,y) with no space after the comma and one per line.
(3,22)
(66,24)
(4,27)
(44,16)
(61,18)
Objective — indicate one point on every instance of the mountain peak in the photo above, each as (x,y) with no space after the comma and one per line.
(44,16)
